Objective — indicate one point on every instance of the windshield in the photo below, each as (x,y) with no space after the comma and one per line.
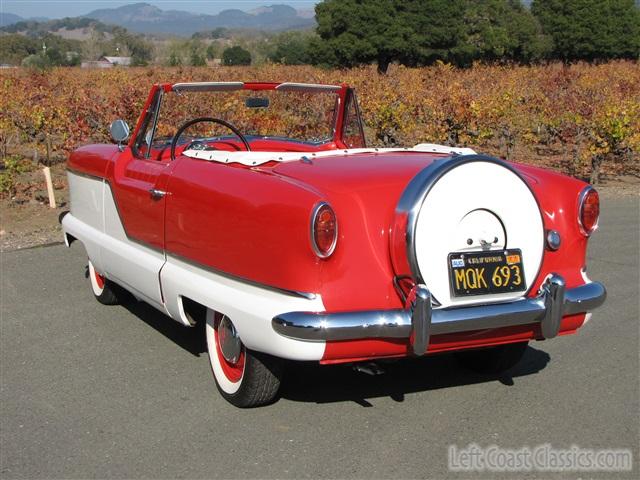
(299,116)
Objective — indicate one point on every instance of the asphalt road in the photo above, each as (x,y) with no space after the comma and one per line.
(93,391)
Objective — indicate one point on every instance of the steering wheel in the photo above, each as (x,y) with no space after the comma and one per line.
(181,130)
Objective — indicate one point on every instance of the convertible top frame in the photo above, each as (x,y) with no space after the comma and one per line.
(230,86)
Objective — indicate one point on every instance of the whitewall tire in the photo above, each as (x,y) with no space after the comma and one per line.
(105,291)
(244,378)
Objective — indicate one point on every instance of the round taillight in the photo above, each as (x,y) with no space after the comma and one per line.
(589,210)
(324,230)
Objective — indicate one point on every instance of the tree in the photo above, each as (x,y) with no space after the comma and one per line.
(124,43)
(590,29)
(290,48)
(94,46)
(219,32)
(411,32)
(353,32)
(177,52)
(433,39)
(14,48)
(505,30)
(212,51)
(197,53)
(236,56)
(37,60)
(42,52)
(174,60)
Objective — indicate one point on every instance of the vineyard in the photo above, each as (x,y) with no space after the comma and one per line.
(581,119)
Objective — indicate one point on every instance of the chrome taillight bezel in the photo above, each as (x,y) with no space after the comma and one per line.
(312,237)
(581,201)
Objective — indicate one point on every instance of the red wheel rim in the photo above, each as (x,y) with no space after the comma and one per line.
(233,371)
(99,279)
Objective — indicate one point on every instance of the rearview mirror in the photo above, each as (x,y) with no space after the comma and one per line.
(119,131)
(257,102)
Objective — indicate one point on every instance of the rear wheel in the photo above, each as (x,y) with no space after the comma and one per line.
(105,291)
(244,378)
(493,360)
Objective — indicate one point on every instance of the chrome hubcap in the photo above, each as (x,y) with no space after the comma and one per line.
(229,341)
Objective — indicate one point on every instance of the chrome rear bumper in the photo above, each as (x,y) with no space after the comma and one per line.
(421,321)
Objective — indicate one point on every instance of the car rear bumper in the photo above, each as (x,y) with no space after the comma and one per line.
(421,321)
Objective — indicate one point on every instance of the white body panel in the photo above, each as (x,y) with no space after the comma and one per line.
(86,199)
(466,204)
(250,307)
(94,220)
(134,266)
(163,281)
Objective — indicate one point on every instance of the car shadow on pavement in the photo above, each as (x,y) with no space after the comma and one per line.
(310,382)
(190,339)
(314,383)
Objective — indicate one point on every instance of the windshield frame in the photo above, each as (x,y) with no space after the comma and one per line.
(151,110)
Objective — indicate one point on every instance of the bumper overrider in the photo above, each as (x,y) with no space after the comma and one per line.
(420,321)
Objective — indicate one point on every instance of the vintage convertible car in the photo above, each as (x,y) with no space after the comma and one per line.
(258,207)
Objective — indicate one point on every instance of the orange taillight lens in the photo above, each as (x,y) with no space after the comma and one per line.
(589,210)
(324,230)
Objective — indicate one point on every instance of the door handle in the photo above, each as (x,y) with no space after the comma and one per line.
(157,194)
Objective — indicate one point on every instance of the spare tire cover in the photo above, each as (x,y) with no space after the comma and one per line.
(471,205)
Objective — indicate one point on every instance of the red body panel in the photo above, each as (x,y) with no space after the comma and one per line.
(557,196)
(242,221)
(363,190)
(142,215)
(93,160)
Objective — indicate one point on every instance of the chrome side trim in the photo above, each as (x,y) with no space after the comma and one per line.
(420,322)
(230,276)
(85,175)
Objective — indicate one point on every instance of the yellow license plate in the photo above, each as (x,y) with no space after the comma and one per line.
(483,273)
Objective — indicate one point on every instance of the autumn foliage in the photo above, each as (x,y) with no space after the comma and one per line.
(579,119)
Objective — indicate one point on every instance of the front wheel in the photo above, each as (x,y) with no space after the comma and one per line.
(494,359)
(105,291)
(244,378)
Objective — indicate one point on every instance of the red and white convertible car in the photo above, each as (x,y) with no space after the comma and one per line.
(260,204)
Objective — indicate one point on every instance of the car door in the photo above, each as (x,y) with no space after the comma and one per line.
(139,186)
(134,212)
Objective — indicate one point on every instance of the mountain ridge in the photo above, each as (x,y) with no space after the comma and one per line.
(9,19)
(149,19)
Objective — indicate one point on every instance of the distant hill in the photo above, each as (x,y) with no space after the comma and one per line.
(146,18)
(9,18)
(77,28)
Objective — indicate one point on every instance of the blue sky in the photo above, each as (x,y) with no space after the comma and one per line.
(72,8)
